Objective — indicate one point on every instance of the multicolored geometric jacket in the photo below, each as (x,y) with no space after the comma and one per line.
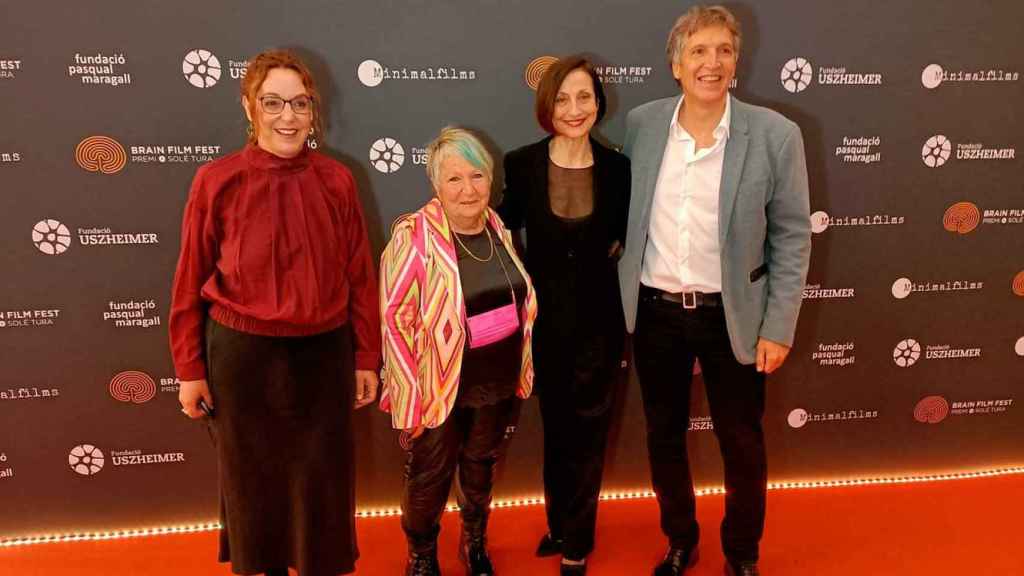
(423,317)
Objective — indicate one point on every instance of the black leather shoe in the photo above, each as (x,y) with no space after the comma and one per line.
(573,569)
(473,554)
(422,565)
(676,562)
(741,568)
(549,546)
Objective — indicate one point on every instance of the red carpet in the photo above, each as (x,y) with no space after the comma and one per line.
(969,527)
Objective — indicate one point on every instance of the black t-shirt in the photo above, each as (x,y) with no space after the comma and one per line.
(490,373)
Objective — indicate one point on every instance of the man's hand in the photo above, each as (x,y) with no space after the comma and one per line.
(366,387)
(770,355)
(190,393)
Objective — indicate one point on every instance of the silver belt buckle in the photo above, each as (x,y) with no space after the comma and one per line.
(692,302)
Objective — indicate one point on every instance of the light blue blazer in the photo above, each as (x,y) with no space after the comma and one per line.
(763,219)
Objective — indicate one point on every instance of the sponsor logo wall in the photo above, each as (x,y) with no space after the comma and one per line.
(912,310)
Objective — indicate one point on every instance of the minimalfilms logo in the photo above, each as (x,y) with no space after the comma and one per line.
(387,155)
(51,237)
(799,417)
(904,287)
(906,353)
(535,70)
(371,73)
(86,459)
(132,386)
(1019,346)
(821,221)
(936,151)
(201,68)
(796,74)
(934,75)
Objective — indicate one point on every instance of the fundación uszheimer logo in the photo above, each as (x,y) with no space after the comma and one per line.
(201,68)
(387,155)
(798,73)
(938,149)
(89,460)
(909,351)
(52,237)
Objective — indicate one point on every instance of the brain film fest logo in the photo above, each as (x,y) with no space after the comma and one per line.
(86,459)
(133,386)
(961,218)
(51,237)
(387,155)
(931,410)
(201,68)
(101,154)
(796,75)
(535,70)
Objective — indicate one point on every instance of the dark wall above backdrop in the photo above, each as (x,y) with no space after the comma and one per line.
(911,338)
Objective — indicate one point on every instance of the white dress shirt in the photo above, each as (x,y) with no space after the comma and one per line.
(682,252)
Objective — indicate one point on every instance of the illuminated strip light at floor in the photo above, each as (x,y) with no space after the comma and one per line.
(532,501)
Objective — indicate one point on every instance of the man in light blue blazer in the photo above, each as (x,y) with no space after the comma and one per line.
(715,262)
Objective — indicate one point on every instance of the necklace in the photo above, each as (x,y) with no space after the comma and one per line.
(490,242)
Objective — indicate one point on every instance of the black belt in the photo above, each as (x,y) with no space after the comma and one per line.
(688,300)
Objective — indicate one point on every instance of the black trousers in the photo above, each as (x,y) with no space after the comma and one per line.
(668,338)
(575,438)
(471,439)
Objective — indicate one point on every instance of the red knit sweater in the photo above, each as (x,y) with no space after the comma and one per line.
(274,247)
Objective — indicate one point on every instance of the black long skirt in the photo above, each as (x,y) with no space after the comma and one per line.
(283,429)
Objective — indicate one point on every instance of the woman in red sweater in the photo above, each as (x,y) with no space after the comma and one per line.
(274,323)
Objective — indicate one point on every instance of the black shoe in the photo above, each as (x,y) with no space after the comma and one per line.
(676,562)
(549,546)
(276,572)
(573,569)
(422,565)
(741,568)
(473,553)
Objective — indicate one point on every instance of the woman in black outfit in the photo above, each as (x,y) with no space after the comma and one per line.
(571,194)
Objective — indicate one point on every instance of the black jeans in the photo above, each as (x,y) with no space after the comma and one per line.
(574,447)
(472,439)
(668,338)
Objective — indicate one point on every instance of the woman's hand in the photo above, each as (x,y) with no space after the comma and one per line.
(190,393)
(366,387)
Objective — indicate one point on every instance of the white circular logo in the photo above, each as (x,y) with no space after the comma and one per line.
(936,151)
(387,155)
(906,353)
(819,222)
(931,77)
(1019,348)
(86,459)
(797,418)
(201,68)
(902,288)
(370,73)
(796,75)
(51,237)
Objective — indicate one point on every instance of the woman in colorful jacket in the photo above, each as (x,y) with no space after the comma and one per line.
(457,317)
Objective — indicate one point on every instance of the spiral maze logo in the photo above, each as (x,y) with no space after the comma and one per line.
(201,68)
(931,410)
(51,237)
(100,154)
(961,218)
(906,353)
(86,459)
(936,151)
(1018,283)
(387,155)
(796,75)
(535,70)
(133,386)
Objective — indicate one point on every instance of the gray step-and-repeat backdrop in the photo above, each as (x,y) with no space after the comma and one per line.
(911,340)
